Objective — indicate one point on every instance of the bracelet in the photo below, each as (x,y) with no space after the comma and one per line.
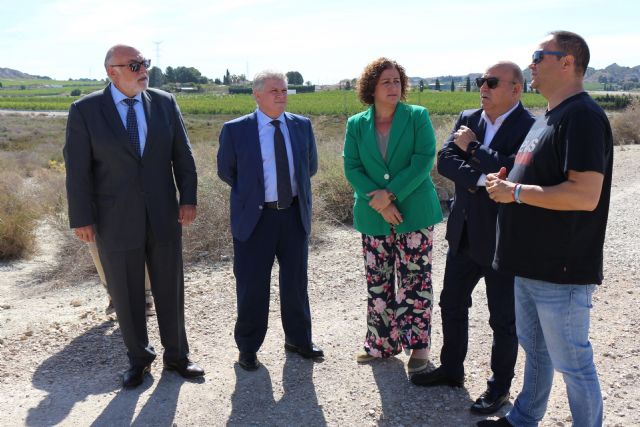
(516,193)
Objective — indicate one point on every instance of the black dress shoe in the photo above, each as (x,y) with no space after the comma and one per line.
(489,402)
(310,352)
(435,378)
(134,376)
(500,422)
(185,367)
(248,361)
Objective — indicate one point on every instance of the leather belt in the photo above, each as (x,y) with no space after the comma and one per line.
(275,205)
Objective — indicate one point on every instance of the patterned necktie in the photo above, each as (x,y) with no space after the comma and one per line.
(285,196)
(132,125)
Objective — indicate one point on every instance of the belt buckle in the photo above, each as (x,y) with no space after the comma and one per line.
(278,206)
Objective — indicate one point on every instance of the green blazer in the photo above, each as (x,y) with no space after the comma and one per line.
(406,173)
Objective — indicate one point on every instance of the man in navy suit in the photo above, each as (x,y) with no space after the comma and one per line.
(268,158)
(482,141)
(127,154)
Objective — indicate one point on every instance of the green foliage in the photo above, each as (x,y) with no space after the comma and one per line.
(318,103)
(76,92)
(613,102)
(156,77)
(468,84)
(437,84)
(453,86)
(294,78)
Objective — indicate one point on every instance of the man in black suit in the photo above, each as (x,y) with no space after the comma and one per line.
(126,151)
(482,141)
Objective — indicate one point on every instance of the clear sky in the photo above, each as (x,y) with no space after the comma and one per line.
(324,40)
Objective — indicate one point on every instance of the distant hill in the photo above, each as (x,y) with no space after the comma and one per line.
(614,74)
(10,74)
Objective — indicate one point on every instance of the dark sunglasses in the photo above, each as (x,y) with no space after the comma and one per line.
(538,55)
(135,66)
(492,82)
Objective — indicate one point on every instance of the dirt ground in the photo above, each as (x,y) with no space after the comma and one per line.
(61,358)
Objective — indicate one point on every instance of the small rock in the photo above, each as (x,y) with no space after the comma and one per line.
(76,303)
(5,306)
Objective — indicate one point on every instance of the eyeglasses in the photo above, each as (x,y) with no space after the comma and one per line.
(135,66)
(538,55)
(492,82)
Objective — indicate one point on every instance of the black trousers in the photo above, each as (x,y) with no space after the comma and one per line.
(278,234)
(460,278)
(124,271)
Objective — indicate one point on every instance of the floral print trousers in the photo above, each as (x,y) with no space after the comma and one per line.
(398,318)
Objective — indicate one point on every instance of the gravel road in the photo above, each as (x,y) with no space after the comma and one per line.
(61,358)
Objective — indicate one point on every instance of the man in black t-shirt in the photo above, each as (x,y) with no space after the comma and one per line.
(551,230)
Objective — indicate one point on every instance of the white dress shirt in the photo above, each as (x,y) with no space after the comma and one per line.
(266,132)
(123,108)
(490,131)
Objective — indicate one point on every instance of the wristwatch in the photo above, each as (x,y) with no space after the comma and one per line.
(472,147)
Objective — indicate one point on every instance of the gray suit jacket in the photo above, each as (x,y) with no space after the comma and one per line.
(108,185)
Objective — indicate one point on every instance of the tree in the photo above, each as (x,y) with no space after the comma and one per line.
(226,80)
(524,87)
(468,85)
(421,85)
(170,75)
(156,78)
(217,81)
(453,86)
(437,84)
(308,82)
(294,78)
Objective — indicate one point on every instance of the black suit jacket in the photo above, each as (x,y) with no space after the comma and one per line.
(108,185)
(472,204)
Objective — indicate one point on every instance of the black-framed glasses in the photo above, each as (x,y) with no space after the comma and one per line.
(492,82)
(135,66)
(539,54)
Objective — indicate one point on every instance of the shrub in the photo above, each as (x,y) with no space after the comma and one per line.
(625,125)
(17,219)
(76,92)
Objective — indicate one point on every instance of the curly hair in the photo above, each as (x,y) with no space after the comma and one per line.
(371,74)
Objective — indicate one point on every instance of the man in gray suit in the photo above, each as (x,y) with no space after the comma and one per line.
(126,151)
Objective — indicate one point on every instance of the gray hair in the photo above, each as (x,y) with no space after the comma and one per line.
(515,69)
(260,78)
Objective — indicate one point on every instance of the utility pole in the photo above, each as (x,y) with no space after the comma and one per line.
(157,58)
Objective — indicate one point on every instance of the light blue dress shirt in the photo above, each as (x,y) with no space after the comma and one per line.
(122,107)
(266,132)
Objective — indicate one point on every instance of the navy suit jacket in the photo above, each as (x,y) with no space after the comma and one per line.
(472,204)
(240,166)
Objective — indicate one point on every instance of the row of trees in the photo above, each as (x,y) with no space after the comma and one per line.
(193,75)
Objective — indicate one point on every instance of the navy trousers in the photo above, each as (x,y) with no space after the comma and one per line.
(279,235)
(460,278)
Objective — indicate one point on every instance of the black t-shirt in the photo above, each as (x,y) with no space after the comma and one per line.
(558,246)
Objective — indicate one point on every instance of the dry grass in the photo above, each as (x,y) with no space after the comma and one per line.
(33,174)
(625,125)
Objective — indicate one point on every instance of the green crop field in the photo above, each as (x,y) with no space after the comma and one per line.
(319,103)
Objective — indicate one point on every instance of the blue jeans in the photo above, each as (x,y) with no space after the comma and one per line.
(552,323)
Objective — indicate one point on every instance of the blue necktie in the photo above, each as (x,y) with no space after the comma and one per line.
(132,125)
(285,194)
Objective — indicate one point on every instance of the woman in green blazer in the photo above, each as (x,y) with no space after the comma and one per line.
(389,151)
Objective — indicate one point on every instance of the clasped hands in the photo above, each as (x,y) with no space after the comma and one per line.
(500,190)
(381,202)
